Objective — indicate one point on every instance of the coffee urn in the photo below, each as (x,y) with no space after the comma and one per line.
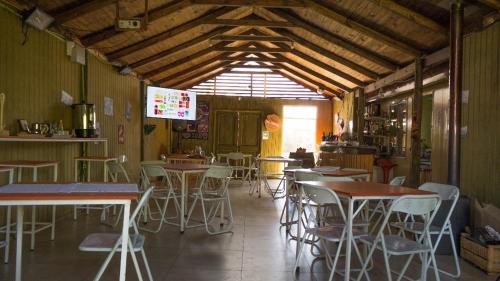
(84,120)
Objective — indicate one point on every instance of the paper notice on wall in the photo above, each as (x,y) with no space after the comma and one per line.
(108,106)
(66,98)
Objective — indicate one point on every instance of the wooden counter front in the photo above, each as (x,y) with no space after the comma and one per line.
(345,160)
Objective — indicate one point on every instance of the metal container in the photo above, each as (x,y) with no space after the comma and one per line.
(84,120)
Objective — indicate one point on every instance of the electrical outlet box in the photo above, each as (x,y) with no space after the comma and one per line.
(129,24)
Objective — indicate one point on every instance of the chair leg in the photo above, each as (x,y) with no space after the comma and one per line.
(74,212)
(33,227)
(106,261)
(7,235)
(455,255)
(53,228)
(146,265)
(134,260)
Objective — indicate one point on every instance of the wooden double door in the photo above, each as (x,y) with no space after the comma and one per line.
(238,131)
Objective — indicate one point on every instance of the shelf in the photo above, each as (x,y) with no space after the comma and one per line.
(376,136)
(376,118)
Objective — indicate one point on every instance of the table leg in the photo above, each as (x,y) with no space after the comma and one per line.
(76,170)
(56,168)
(19,241)
(106,148)
(348,245)
(287,201)
(299,223)
(125,229)
(19,174)
(7,234)
(183,200)
(33,214)
(11,176)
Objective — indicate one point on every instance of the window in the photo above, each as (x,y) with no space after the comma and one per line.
(299,128)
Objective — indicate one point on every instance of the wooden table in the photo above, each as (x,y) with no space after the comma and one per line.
(39,138)
(357,191)
(21,195)
(183,170)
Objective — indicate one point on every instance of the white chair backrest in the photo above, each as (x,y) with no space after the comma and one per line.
(306,176)
(115,169)
(321,195)
(144,198)
(398,181)
(153,162)
(417,205)
(153,171)
(218,172)
(445,191)
(235,156)
(325,178)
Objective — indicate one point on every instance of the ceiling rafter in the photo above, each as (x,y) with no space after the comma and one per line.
(411,15)
(335,39)
(124,51)
(154,15)
(327,10)
(196,74)
(255,38)
(326,53)
(181,47)
(259,49)
(254,3)
(323,65)
(78,9)
(249,22)
(220,57)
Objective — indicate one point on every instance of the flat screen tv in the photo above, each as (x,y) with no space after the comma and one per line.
(170,103)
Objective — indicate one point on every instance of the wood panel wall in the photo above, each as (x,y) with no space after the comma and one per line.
(439,135)
(480,162)
(269,147)
(32,76)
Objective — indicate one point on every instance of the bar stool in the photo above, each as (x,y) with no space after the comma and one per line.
(88,159)
(5,244)
(35,165)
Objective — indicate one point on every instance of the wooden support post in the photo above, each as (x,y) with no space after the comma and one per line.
(456,44)
(416,124)
(360,124)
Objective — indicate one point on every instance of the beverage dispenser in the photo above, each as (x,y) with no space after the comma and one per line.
(84,120)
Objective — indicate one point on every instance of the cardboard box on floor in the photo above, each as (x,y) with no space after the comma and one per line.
(486,214)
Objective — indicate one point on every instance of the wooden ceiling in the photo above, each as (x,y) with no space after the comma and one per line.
(334,46)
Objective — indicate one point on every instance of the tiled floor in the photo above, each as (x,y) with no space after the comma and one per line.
(257,251)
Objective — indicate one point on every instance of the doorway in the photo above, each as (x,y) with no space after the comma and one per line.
(238,131)
(299,128)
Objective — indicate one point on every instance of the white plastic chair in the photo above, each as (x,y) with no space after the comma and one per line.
(448,193)
(117,173)
(236,160)
(214,197)
(164,192)
(424,206)
(335,233)
(381,206)
(251,171)
(111,242)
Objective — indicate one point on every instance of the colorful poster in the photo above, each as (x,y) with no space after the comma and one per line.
(198,129)
(171,104)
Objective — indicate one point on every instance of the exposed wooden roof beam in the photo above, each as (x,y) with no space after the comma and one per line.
(324,52)
(180,47)
(307,79)
(319,85)
(254,49)
(197,74)
(153,15)
(335,39)
(243,66)
(408,71)
(200,79)
(255,38)
(167,34)
(191,69)
(313,89)
(320,64)
(327,10)
(495,4)
(246,59)
(254,3)
(411,15)
(313,73)
(181,61)
(249,22)
(78,9)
